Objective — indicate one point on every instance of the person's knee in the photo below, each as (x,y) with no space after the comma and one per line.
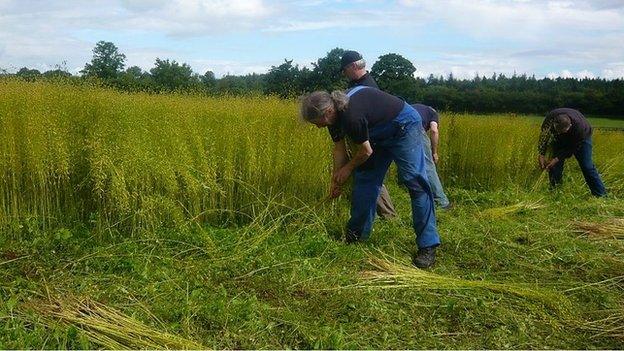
(588,167)
(415,187)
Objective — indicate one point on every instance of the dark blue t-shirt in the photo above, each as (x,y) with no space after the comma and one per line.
(428,114)
(367,108)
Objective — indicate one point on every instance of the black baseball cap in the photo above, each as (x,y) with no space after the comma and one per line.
(348,58)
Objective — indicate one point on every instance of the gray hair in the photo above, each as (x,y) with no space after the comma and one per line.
(561,123)
(360,64)
(316,104)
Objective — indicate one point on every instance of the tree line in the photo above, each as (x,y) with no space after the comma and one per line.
(393,73)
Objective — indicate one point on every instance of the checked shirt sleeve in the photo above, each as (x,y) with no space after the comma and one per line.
(546,136)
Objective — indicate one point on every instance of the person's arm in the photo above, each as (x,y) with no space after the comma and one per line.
(544,141)
(341,158)
(574,140)
(435,138)
(340,155)
(364,152)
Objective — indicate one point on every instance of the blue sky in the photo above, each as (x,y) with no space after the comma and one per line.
(574,38)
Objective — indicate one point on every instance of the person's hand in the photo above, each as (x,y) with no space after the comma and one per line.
(335,190)
(552,163)
(436,158)
(341,176)
(542,161)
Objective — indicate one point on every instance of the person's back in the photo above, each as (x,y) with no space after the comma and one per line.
(428,114)
(353,66)
(367,109)
(365,80)
(569,133)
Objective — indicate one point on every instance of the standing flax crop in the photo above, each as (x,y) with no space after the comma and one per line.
(143,161)
(138,161)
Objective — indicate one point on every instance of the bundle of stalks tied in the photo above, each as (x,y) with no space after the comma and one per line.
(107,326)
(497,212)
(388,273)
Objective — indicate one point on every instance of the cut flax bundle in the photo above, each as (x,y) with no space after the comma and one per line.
(497,212)
(390,274)
(613,228)
(107,326)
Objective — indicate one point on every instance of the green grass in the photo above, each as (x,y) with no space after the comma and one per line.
(525,279)
(138,221)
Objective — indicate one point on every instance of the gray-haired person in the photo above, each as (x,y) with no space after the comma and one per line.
(431,122)
(387,130)
(353,66)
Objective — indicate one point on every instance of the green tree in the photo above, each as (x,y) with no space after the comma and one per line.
(170,75)
(209,80)
(135,79)
(326,74)
(135,72)
(283,80)
(395,74)
(56,73)
(107,62)
(28,74)
(243,85)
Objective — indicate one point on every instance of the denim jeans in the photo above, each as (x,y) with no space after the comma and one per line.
(400,141)
(584,157)
(432,173)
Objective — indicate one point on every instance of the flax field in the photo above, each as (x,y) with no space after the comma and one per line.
(142,221)
(142,161)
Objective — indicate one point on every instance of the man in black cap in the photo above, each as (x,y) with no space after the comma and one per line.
(353,66)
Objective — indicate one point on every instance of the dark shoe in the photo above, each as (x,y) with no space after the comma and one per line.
(351,237)
(448,207)
(425,257)
(386,216)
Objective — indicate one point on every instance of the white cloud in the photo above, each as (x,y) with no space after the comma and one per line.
(192,17)
(569,74)
(468,66)
(229,67)
(613,71)
(528,35)
(532,21)
(572,37)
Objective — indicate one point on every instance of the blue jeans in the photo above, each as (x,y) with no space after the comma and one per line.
(584,157)
(432,173)
(400,141)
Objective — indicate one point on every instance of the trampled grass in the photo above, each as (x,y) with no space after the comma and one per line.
(149,221)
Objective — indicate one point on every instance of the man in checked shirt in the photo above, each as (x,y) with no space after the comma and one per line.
(569,133)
